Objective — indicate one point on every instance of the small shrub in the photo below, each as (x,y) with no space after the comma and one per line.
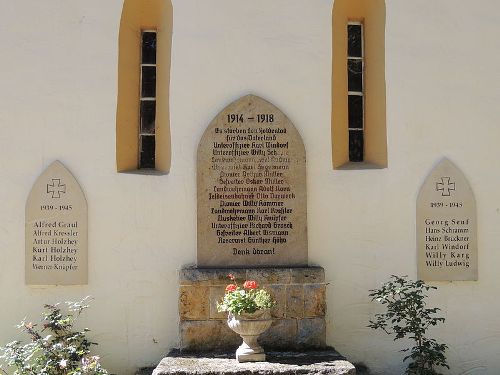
(55,348)
(408,316)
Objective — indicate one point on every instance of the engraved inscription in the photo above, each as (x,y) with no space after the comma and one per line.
(56,230)
(446,226)
(251,188)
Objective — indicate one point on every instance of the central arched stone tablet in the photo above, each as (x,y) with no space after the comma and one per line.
(251,189)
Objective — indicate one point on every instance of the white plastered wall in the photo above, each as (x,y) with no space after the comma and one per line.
(58,101)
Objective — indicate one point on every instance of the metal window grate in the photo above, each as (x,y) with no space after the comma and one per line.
(355,84)
(147,139)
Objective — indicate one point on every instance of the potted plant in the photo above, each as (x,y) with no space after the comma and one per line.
(249,315)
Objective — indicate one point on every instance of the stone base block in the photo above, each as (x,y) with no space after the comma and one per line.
(256,357)
(298,318)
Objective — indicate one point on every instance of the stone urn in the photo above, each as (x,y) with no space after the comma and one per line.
(249,326)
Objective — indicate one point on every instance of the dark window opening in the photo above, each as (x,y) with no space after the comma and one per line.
(354,40)
(149,47)
(356,143)
(148,81)
(355,87)
(148,116)
(147,141)
(147,151)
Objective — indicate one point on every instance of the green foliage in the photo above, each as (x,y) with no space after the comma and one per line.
(408,316)
(55,348)
(248,299)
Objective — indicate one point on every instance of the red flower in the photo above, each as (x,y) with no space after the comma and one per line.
(231,276)
(250,284)
(231,288)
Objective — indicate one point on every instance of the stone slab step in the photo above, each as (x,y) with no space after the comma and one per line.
(325,362)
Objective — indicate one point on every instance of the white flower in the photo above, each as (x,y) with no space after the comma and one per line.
(63,363)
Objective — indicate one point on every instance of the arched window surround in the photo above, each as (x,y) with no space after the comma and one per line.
(371,13)
(139,15)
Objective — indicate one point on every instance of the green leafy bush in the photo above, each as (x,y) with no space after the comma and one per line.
(55,348)
(408,316)
(248,299)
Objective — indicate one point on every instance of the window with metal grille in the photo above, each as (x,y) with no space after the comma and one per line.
(355,83)
(359,131)
(147,140)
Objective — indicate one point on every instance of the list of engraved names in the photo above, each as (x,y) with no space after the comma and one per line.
(447,243)
(55,242)
(249,203)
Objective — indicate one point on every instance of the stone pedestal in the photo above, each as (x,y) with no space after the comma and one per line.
(250,326)
(298,318)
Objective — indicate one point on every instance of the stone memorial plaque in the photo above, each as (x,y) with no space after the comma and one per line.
(251,188)
(56,230)
(446,226)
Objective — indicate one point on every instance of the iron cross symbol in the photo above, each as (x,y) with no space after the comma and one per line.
(56,188)
(445,186)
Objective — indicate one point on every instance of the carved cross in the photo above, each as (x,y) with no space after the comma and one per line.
(445,186)
(56,188)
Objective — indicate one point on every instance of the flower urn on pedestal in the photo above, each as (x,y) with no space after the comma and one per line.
(249,315)
(249,326)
